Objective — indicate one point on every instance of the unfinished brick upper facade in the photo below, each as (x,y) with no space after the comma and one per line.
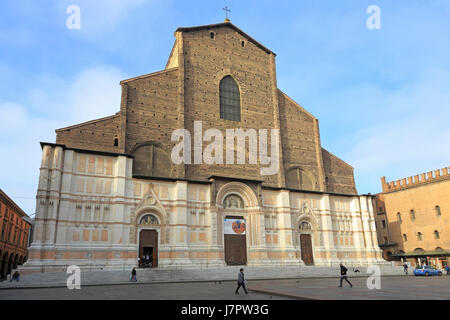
(154,105)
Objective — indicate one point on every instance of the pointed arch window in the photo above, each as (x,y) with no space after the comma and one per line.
(230,99)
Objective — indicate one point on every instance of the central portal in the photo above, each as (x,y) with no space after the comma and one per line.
(235,240)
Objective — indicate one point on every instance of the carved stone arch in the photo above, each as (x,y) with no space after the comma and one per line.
(251,205)
(314,231)
(150,204)
(306,239)
(238,188)
(149,218)
(311,218)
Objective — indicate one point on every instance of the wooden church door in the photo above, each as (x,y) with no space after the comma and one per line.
(306,249)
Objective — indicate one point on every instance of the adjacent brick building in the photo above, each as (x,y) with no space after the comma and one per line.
(413,218)
(110,193)
(14,235)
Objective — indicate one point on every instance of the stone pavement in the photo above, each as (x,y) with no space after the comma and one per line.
(392,288)
(138,291)
(229,273)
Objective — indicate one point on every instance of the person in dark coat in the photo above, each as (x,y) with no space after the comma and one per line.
(405,268)
(344,275)
(133,275)
(241,281)
(15,277)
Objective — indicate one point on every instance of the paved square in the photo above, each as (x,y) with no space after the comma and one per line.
(392,288)
(223,290)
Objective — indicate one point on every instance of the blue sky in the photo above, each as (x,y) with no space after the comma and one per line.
(381,96)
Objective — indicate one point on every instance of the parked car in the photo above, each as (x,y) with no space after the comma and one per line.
(427,271)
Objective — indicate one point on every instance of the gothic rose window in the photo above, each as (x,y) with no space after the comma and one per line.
(149,219)
(230,100)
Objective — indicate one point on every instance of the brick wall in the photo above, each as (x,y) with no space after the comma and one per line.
(423,199)
(151,110)
(299,144)
(154,105)
(338,174)
(206,62)
(97,135)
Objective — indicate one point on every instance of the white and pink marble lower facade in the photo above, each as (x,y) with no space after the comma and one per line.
(89,208)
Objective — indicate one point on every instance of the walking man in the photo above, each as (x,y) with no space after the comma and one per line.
(133,275)
(241,281)
(344,275)
(405,268)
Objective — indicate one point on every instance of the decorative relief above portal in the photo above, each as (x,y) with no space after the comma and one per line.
(233,202)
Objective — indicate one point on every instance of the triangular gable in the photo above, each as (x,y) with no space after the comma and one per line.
(227,25)
(149,202)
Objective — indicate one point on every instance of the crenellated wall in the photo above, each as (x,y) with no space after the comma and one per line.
(422,178)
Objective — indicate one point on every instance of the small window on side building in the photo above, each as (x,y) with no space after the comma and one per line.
(438,211)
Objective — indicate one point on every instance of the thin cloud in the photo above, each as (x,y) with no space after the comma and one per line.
(414,140)
(90,94)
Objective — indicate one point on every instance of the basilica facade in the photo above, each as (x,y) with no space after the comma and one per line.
(110,194)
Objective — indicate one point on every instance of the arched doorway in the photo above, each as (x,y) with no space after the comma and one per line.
(306,243)
(148,241)
(235,240)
